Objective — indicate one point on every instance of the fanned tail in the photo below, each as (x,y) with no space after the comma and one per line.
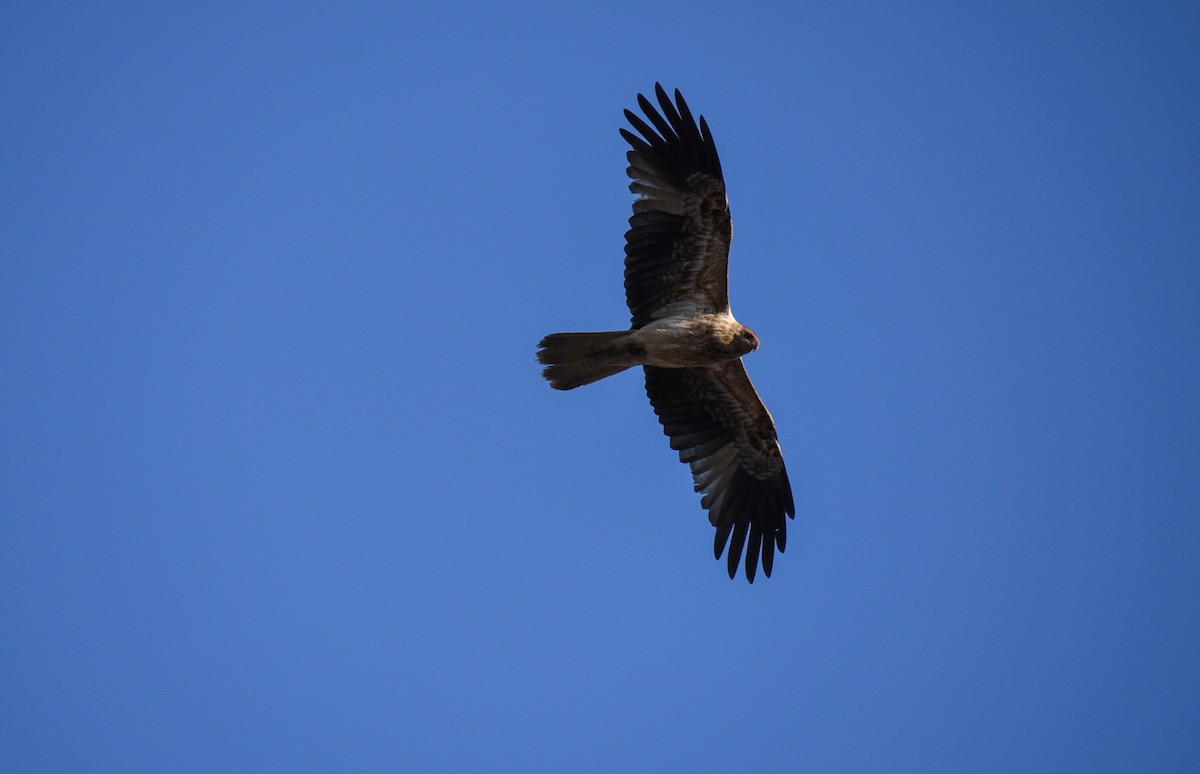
(575,359)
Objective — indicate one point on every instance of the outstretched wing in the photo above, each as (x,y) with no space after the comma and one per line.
(677,247)
(722,430)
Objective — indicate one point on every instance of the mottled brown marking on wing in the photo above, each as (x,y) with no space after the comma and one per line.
(722,430)
(677,246)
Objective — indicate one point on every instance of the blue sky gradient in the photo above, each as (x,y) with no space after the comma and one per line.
(283,490)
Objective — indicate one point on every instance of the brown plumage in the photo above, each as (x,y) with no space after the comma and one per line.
(684,336)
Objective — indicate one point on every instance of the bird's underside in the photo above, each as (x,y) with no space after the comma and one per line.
(576,359)
(684,337)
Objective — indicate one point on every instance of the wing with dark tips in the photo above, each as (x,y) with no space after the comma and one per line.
(725,434)
(677,246)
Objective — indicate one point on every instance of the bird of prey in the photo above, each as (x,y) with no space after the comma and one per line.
(685,337)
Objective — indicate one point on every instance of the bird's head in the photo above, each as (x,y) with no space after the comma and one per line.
(745,341)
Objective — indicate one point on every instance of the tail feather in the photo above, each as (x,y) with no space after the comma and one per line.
(575,359)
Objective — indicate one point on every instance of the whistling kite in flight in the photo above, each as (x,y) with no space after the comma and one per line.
(685,338)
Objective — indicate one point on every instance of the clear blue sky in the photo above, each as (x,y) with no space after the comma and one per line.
(282,489)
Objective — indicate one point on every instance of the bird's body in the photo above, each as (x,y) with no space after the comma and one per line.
(686,339)
(694,342)
(673,342)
